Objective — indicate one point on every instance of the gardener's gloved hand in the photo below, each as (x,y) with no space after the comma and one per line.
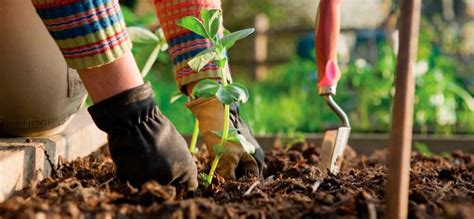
(143,143)
(236,162)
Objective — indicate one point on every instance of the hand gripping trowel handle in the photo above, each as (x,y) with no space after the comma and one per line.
(327,34)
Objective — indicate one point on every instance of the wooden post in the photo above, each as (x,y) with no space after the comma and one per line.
(402,115)
(261,41)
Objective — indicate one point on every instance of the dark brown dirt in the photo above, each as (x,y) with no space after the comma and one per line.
(440,187)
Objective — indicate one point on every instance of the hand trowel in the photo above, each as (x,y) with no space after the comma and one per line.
(327,34)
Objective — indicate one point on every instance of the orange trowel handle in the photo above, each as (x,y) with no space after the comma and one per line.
(326,37)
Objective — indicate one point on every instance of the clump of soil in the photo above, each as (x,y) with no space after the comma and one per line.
(292,188)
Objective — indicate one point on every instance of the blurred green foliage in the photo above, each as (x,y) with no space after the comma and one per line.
(131,19)
(423,149)
(288,102)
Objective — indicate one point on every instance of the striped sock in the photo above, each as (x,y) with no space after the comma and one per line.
(89,33)
(183,44)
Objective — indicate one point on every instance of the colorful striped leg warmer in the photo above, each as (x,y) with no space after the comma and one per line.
(183,44)
(89,33)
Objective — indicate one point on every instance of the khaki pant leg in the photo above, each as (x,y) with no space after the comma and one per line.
(38,93)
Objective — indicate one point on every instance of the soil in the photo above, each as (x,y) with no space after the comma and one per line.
(440,187)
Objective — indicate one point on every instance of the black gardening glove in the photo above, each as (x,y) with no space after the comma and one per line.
(143,143)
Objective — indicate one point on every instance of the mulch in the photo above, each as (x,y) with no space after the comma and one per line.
(292,187)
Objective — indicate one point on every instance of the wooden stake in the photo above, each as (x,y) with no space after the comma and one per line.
(402,115)
(261,44)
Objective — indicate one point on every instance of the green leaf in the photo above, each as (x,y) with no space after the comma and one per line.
(160,34)
(224,96)
(226,32)
(248,147)
(146,47)
(206,88)
(176,96)
(238,92)
(232,93)
(233,138)
(232,135)
(142,37)
(205,178)
(212,19)
(228,40)
(145,57)
(202,59)
(150,61)
(231,130)
(218,150)
(161,37)
(221,62)
(193,24)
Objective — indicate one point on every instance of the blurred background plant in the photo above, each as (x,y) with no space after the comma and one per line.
(286,102)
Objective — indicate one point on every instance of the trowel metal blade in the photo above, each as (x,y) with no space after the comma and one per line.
(332,150)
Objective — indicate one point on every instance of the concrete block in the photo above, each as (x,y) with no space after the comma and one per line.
(24,160)
(20,164)
(79,139)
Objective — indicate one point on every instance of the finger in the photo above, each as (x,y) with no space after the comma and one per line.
(227,165)
(192,182)
(259,157)
(247,165)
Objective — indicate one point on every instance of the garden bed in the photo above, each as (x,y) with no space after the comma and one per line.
(439,186)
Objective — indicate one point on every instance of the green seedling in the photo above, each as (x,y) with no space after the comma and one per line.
(219,150)
(194,138)
(423,149)
(146,47)
(192,146)
(226,92)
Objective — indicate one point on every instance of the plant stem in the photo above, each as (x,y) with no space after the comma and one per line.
(224,78)
(194,138)
(225,131)
(213,169)
(222,66)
